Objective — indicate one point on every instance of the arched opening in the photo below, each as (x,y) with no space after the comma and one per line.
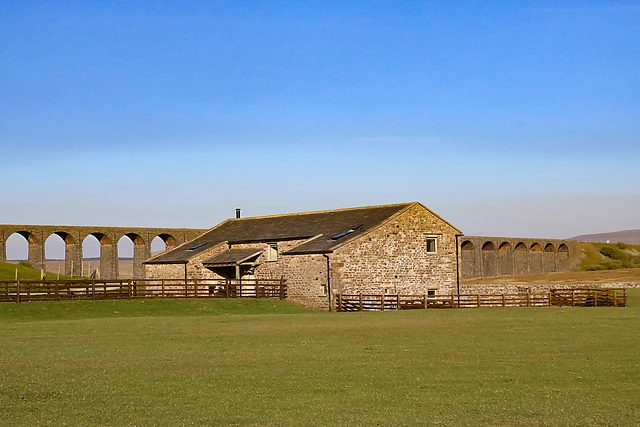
(549,262)
(90,256)
(563,248)
(489,259)
(95,261)
(54,254)
(520,258)
(162,242)
(488,246)
(468,266)
(467,245)
(505,259)
(536,263)
(504,247)
(131,254)
(17,247)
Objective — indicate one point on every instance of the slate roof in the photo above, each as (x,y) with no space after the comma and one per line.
(232,257)
(321,224)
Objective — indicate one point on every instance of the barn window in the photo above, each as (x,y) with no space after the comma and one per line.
(272,252)
(431,292)
(432,246)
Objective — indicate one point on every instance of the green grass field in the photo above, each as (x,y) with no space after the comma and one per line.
(25,272)
(217,362)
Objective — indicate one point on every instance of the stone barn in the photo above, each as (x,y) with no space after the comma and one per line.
(395,249)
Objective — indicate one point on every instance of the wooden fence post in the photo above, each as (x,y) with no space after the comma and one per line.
(129,288)
(226,288)
(18,291)
(56,291)
(573,297)
(339,302)
(381,302)
(595,298)
(549,295)
(528,299)
(162,289)
(615,299)
(425,301)
(360,301)
(479,302)
(453,301)
(281,288)
(503,301)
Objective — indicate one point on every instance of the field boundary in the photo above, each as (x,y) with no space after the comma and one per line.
(60,290)
(609,297)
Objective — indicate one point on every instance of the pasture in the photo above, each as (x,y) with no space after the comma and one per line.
(264,362)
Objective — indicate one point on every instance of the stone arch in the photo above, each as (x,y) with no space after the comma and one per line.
(467,245)
(136,250)
(504,247)
(521,258)
(549,261)
(167,239)
(489,259)
(563,251)
(35,249)
(55,253)
(488,246)
(468,265)
(505,259)
(107,267)
(536,263)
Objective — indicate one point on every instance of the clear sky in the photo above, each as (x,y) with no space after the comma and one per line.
(517,118)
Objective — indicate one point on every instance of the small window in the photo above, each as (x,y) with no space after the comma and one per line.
(324,290)
(432,246)
(431,292)
(272,252)
(196,246)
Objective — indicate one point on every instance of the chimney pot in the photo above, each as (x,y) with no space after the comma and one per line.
(237,212)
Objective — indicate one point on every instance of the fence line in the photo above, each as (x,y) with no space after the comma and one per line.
(57,290)
(558,298)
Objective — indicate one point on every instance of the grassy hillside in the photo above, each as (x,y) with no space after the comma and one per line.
(25,272)
(183,366)
(609,256)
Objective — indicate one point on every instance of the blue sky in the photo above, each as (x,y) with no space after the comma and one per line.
(507,118)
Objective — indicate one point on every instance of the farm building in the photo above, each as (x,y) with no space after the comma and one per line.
(396,249)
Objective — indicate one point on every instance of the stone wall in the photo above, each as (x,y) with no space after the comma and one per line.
(498,289)
(73,236)
(482,256)
(394,259)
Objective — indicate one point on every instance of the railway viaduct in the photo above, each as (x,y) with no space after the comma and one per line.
(482,256)
(73,236)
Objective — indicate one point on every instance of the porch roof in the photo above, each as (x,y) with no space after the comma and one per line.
(232,257)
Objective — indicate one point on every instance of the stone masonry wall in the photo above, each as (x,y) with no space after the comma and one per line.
(394,259)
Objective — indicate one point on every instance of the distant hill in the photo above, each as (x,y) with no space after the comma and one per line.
(626,236)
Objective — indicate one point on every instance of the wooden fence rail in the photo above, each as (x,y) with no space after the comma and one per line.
(558,297)
(57,290)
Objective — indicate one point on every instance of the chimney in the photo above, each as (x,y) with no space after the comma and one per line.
(237,212)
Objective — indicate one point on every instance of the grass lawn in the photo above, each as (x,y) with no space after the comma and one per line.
(195,362)
(25,272)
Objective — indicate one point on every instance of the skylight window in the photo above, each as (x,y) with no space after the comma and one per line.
(196,246)
(345,233)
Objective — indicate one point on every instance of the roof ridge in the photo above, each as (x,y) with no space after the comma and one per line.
(321,211)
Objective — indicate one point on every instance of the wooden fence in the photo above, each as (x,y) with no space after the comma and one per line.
(558,297)
(57,290)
